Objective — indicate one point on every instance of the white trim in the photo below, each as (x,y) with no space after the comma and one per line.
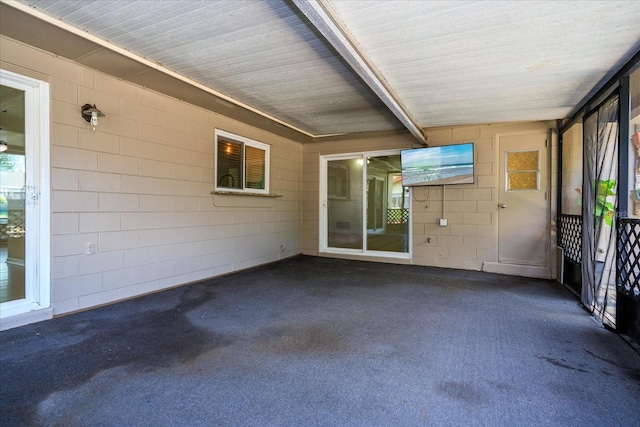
(368,253)
(25,318)
(323,199)
(539,272)
(37,246)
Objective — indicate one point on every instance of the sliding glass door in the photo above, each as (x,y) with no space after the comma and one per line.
(24,197)
(364,207)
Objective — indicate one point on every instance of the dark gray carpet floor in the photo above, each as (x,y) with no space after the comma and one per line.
(312,341)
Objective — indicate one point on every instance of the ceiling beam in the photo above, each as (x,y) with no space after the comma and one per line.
(326,21)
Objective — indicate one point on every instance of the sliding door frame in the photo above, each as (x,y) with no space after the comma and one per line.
(324,205)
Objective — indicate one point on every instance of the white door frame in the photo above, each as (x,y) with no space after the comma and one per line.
(37,302)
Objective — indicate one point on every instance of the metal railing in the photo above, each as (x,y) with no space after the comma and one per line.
(628,257)
(570,236)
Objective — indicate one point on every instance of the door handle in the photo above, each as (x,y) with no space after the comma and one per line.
(502,205)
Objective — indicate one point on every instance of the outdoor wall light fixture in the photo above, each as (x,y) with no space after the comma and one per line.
(91,113)
(3,146)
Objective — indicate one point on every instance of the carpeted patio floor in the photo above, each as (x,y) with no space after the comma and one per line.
(314,341)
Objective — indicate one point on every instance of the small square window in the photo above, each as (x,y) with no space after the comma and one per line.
(242,165)
(523,170)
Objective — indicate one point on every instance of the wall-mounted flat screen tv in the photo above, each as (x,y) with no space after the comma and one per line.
(444,165)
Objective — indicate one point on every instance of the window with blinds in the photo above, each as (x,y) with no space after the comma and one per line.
(242,164)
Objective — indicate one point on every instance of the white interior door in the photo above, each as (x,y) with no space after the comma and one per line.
(523,214)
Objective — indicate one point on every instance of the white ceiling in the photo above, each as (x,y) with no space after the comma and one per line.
(458,62)
(442,62)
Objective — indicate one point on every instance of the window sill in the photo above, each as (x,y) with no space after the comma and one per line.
(237,193)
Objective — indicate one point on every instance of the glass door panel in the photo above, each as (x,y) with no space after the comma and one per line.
(375,204)
(365,207)
(12,195)
(344,203)
(387,206)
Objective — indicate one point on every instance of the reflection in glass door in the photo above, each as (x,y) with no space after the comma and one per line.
(375,204)
(365,206)
(388,207)
(12,194)
(344,203)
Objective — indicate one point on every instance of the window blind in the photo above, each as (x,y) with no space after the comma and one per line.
(229,164)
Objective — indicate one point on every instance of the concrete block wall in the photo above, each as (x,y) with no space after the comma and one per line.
(132,209)
(471,237)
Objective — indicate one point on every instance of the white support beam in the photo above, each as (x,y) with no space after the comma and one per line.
(334,31)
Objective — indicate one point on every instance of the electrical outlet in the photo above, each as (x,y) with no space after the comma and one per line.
(91,248)
(443,222)
(282,248)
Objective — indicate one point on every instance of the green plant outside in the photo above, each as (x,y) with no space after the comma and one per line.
(604,209)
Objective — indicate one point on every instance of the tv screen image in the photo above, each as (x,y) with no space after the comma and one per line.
(447,164)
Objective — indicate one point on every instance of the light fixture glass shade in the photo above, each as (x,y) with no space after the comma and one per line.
(91,113)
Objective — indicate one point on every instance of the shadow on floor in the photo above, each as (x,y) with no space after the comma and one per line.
(316,341)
